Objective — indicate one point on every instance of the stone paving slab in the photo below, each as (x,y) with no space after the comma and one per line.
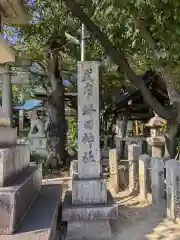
(40,223)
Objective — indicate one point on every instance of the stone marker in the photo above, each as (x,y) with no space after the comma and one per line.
(173,189)
(88,187)
(134,152)
(113,166)
(157,182)
(144,164)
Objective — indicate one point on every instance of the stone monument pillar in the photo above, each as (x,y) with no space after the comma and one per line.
(7,95)
(89,194)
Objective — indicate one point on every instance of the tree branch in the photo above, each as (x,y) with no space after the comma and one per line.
(168,74)
(141,25)
(119,59)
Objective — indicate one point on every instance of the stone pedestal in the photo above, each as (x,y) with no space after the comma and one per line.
(88,207)
(157,144)
(37,140)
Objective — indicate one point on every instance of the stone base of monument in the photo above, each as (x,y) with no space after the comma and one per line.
(38,145)
(89,191)
(89,230)
(88,221)
(8,136)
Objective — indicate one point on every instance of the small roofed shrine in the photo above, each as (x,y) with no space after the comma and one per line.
(131,104)
(128,105)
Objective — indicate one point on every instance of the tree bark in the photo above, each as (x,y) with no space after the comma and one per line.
(56,130)
(170,137)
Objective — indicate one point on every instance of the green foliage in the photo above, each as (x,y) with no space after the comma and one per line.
(72,136)
(118,19)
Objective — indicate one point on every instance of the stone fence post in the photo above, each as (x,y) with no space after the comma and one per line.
(157,182)
(173,189)
(134,152)
(144,164)
(113,167)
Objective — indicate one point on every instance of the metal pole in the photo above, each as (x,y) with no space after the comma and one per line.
(83,42)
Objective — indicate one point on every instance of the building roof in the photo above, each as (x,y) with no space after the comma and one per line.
(30,105)
(131,102)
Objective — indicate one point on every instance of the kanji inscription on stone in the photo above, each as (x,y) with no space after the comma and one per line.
(88,120)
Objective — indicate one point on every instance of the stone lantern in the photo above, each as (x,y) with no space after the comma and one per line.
(157,139)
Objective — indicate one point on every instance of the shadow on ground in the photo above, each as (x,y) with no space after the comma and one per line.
(141,222)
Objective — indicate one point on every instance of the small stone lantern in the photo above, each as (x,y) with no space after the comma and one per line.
(157,139)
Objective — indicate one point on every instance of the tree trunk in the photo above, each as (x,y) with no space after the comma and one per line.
(57,127)
(170,137)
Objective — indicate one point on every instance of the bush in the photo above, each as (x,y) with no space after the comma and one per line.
(72,136)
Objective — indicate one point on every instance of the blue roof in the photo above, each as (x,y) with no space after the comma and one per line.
(30,104)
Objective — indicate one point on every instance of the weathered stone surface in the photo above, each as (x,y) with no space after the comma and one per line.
(17,197)
(134,152)
(89,191)
(4,118)
(88,212)
(89,230)
(8,136)
(157,181)
(12,161)
(113,167)
(173,189)
(42,219)
(144,164)
(73,168)
(88,120)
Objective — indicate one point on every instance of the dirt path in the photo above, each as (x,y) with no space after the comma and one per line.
(142,222)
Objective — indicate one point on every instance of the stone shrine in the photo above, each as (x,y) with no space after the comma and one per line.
(89,206)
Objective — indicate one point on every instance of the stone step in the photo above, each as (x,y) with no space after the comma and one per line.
(12,161)
(88,212)
(17,197)
(41,221)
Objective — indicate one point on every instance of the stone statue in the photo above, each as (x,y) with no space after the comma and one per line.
(37,128)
